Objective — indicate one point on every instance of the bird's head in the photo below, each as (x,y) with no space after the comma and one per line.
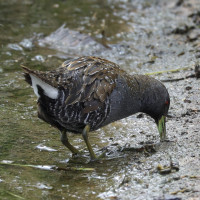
(156,104)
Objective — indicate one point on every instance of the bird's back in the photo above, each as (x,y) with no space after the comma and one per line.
(84,86)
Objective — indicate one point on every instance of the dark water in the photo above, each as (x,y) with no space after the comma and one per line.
(137,33)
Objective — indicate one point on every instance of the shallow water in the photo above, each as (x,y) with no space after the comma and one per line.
(138,34)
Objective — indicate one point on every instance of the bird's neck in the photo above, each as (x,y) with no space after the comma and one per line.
(152,94)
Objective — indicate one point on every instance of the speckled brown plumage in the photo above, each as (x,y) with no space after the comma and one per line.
(86,82)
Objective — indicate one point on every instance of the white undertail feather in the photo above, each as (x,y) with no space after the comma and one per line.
(49,91)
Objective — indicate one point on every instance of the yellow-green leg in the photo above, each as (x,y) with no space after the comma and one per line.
(65,141)
(85,137)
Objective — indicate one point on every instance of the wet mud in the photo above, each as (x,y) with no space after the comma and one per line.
(159,38)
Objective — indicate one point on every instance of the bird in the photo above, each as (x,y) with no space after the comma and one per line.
(87,93)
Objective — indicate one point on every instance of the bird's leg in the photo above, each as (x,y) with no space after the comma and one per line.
(65,141)
(85,137)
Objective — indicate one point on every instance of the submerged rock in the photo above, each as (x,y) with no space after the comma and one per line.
(75,44)
(71,42)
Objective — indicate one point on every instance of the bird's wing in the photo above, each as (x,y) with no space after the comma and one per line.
(86,79)
(90,80)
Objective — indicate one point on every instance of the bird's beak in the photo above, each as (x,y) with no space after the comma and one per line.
(162,128)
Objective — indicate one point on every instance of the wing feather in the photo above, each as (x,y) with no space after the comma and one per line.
(86,79)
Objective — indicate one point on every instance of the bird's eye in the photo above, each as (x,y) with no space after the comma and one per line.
(166,102)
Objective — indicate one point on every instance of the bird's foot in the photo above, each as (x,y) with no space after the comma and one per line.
(94,157)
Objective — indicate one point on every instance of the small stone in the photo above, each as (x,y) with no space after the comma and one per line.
(197,71)
(56,5)
(193,35)
(188,88)
(15,47)
(26,43)
(184,133)
(38,58)
(187,101)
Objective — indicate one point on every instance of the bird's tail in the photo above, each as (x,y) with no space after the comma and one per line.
(40,83)
(27,72)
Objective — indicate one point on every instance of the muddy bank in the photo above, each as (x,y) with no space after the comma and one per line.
(142,37)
